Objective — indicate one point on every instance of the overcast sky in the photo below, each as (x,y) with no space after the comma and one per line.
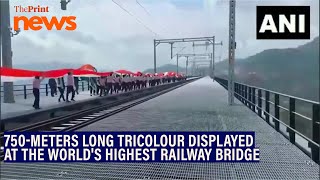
(109,38)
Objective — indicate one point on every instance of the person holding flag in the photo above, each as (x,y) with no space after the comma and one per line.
(102,82)
(36,91)
(109,84)
(70,86)
(61,88)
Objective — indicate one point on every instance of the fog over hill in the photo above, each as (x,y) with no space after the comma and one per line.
(293,71)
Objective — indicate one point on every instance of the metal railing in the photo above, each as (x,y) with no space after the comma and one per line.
(26,89)
(259,100)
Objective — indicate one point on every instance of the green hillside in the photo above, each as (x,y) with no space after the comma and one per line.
(293,71)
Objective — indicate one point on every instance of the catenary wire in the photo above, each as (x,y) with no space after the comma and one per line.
(149,29)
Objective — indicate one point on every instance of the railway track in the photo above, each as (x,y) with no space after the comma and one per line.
(83,118)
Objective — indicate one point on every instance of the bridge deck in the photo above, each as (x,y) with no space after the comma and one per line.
(24,106)
(199,106)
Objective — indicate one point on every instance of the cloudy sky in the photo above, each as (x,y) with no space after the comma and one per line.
(109,38)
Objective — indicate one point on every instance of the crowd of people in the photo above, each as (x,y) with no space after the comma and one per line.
(100,86)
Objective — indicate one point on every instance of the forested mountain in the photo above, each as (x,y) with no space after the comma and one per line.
(293,71)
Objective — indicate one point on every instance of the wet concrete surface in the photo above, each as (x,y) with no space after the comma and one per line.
(198,106)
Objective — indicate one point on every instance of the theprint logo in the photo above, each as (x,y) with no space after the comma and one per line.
(37,23)
(283,22)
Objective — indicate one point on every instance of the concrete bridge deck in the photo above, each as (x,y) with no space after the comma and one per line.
(24,106)
(198,106)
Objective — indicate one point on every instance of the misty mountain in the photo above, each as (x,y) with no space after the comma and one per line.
(293,71)
(44,66)
(166,68)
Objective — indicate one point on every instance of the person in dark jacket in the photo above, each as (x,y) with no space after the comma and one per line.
(117,84)
(98,85)
(61,88)
(102,82)
(53,86)
(70,86)
(76,84)
(109,84)
(93,86)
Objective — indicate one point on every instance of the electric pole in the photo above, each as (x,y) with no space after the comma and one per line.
(213,43)
(211,66)
(156,42)
(232,44)
(154,56)
(187,62)
(6,35)
(0,54)
(212,58)
(177,64)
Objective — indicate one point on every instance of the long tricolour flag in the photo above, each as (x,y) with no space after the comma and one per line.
(10,74)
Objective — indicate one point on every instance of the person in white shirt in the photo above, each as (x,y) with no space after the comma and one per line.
(159,80)
(102,82)
(114,76)
(163,79)
(125,80)
(133,82)
(129,82)
(150,80)
(144,78)
(116,84)
(141,82)
(124,83)
(174,79)
(113,83)
(154,79)
(36,91)
(120,81)
(138,82)
(109,84)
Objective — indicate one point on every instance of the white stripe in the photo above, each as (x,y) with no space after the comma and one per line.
(58,128)
(68,124)
(87,75)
